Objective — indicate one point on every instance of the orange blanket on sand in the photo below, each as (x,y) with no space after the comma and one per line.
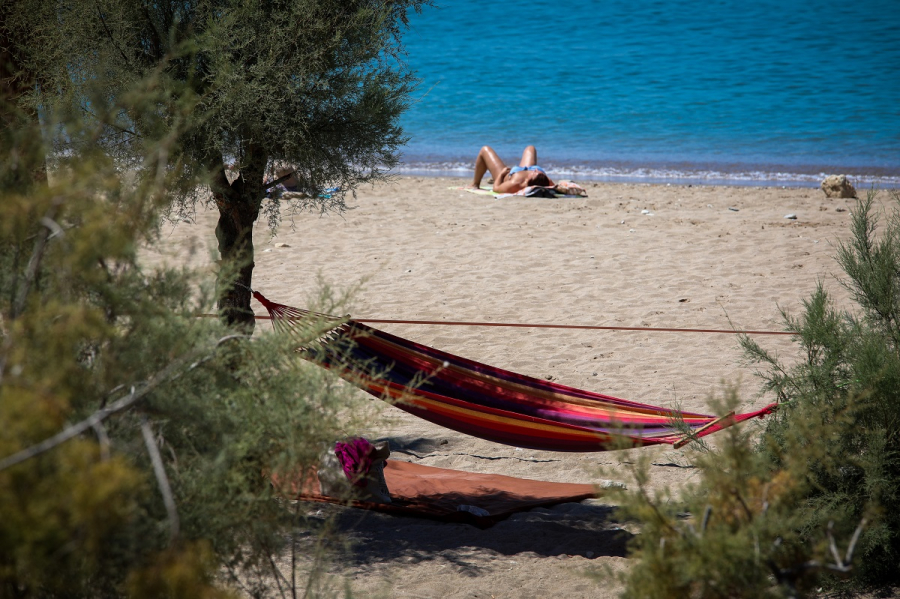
(455,496)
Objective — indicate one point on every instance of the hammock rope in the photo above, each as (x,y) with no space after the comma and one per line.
(589,327)
(488,402)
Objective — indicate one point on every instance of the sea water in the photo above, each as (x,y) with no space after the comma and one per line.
(719,91)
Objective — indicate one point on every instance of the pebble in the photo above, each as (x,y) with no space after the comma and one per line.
(733,209)
(282,245)
(791,216)
(631,230)
(840,209)
(645,211)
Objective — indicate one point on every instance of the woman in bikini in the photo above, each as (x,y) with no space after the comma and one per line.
(506,179)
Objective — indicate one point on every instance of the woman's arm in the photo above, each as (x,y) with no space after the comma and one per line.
(502,183)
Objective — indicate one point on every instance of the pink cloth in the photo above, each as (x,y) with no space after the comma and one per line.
(355,457)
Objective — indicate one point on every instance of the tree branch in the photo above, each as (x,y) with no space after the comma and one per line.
(36,256)
(110,35)
(162,480)
(169,372)
(103,439)
(269,186)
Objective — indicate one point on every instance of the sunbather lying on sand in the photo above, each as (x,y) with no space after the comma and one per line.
(506,179)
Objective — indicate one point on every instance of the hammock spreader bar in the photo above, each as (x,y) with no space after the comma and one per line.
(492,403)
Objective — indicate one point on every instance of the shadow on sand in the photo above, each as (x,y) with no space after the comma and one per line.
(584,529)
(564,530)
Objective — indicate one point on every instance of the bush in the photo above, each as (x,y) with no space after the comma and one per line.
(851,373)
(769,513)
(137,439)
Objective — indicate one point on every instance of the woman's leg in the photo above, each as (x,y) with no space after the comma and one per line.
(529,157)
(487,160)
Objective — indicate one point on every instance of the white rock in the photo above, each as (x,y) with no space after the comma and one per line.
(282,245)
(838,186)
(791,216)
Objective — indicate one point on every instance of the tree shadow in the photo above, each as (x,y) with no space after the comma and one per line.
(585,529)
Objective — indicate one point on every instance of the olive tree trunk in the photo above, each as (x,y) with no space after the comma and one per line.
(239,204)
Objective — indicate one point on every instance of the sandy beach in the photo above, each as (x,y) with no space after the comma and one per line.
(630,255)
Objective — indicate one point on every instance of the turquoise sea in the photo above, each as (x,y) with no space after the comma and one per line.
(719,91)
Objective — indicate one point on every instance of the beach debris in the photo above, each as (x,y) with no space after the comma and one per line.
(631,230)
(645,211)
(282,245)
(838,186)
(791,216)
(733,209)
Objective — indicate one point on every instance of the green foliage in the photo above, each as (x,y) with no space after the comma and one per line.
(816,498)
(851,372)
(314,84)
(88,335)
(737,531)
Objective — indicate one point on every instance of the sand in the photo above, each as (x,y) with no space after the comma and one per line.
(701,257)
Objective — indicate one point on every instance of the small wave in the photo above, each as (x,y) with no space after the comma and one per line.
(682,176)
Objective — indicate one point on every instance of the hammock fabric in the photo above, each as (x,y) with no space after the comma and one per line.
(488,402)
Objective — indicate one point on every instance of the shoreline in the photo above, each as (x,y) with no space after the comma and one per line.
(715,175)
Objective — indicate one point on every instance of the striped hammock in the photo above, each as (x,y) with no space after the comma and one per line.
(492,403)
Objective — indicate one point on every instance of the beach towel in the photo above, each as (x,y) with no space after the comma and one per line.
(451,495)
(572,190)
(481,191)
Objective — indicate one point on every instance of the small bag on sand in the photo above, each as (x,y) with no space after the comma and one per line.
(355,469)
